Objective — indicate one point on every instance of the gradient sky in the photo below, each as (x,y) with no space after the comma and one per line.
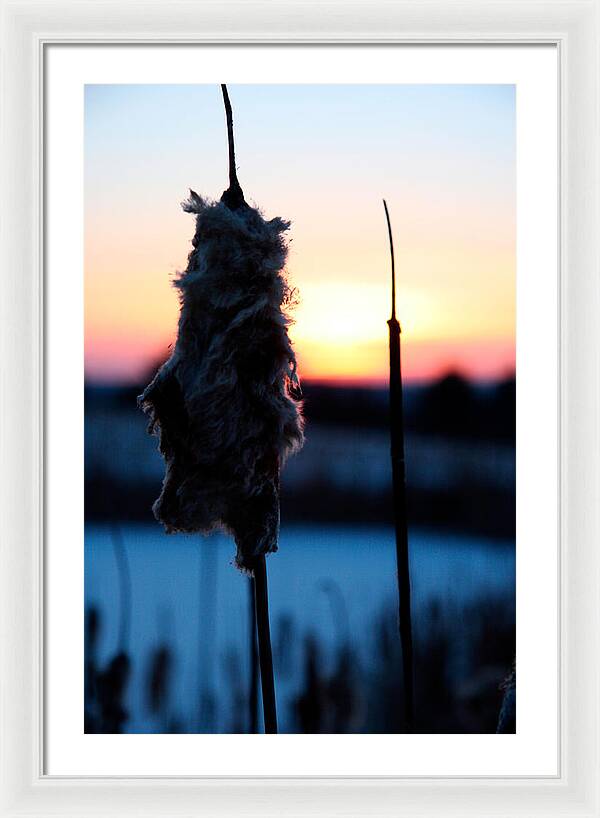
(322,156)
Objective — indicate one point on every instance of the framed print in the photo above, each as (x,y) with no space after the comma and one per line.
(344,270)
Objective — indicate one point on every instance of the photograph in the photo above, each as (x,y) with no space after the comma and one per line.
(300,408)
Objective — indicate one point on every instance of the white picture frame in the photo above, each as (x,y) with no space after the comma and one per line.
(27,27)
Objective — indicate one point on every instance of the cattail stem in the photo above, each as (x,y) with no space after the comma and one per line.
(261,602)
(233,197)
(254,669)
(399,495)
(207,633)
(124,573)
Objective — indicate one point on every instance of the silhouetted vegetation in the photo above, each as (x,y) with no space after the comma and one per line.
(464,427)
(460,460)
(451,407)
(105,686)
(463,657)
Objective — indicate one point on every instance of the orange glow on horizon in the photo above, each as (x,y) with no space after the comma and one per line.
(447,171)
(338,327)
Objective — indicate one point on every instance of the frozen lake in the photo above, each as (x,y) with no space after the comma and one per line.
(332,581)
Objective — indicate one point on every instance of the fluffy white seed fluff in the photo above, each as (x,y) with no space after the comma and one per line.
(225,404)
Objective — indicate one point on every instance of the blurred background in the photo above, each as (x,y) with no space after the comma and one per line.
(168,617)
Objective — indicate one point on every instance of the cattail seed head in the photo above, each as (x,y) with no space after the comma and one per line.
(225,405)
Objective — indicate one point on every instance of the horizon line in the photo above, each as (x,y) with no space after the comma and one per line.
(340,383)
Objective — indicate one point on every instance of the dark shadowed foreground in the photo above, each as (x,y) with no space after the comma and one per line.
(167,646)
(335,642)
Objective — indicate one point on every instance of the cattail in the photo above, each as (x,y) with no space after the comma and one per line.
(399,494)
(225,405)
(254,667)
(508,711)
(124,572)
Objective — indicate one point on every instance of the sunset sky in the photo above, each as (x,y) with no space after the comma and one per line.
(322,156)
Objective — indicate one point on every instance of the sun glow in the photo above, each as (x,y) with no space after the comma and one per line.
(346,312)
(451,201)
